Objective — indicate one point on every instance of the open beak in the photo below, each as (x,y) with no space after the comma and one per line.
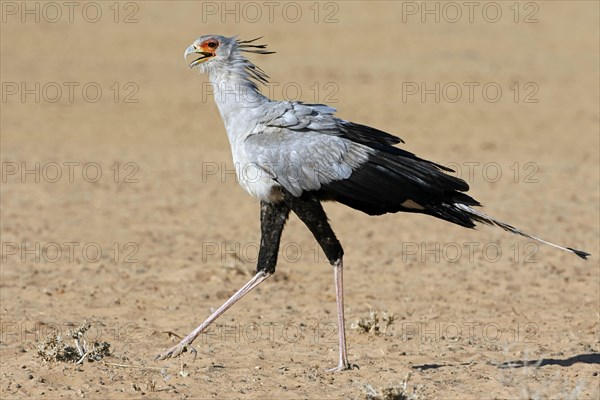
(204,55)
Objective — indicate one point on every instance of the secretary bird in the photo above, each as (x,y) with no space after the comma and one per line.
(295,155)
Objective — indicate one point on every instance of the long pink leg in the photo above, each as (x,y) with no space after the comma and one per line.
(272,221)
(309,210)
(338,274)
(182,346)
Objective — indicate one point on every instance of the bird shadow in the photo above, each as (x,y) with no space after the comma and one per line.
(591,358)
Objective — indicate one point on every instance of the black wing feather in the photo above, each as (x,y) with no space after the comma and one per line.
(392,176)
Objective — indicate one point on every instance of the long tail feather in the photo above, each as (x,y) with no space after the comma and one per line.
(486,219)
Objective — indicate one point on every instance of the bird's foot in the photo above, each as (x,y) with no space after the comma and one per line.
(177,350)
(343,367)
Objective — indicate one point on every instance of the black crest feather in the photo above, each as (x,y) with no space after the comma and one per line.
(248,47)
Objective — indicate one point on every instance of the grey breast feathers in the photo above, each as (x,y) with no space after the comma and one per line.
(296,144)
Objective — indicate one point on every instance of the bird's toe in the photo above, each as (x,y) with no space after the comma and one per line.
(343,367)
(176,351)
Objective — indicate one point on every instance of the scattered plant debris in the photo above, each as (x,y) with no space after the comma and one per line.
(55,349)
(374,323)
(391,392)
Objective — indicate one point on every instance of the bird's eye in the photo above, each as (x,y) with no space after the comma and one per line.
(212,45)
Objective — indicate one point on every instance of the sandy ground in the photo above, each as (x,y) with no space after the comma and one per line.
(120,208)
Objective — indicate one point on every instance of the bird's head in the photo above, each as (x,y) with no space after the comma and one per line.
(212,51)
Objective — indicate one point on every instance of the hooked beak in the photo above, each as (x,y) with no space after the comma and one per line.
(204,55)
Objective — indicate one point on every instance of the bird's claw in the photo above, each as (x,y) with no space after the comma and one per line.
(343,367)
(176,351)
